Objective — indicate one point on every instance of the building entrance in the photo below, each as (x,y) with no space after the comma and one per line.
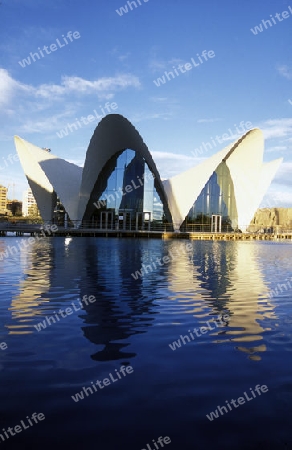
(216,223)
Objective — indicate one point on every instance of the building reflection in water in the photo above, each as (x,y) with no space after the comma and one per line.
(34,260)
(224,278)
(61,271)
(213,278)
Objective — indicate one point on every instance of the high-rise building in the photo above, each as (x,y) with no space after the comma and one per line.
(3,200)
(29,204)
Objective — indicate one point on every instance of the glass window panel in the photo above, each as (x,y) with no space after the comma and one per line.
(119,178)
(112,180)
(149,180)
(122,160)
(217,197)
(130,155)
(130,186)
(148,201)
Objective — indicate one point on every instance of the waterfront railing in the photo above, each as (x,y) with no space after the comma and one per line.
(154,226)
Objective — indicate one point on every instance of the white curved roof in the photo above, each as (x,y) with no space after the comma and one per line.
(113,134)
(46,174)
(250,176)
(41,187)
(183,189)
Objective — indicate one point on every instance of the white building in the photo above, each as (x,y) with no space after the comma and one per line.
(120,182)
(29,203)
(3,200)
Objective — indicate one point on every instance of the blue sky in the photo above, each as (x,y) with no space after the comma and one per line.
(115,58)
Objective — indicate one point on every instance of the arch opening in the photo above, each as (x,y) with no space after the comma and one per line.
(125,195)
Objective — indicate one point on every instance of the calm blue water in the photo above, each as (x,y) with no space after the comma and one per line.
(131,323)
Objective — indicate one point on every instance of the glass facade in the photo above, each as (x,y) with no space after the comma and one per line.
(216,199)
(124,188)
(60,216)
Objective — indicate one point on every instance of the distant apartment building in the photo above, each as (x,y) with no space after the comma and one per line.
(29,205)
(3,200)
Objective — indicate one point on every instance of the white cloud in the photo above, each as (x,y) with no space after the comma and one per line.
(280,191)
(283,175)
(208,120)
(119,55)
(124,57)
(139,117)
(158,99)
(156,65)
(170,164)
(48,124)
(278,199)
(104,87)
(78,85)
(285,71)
(8,87)
(277,148)
(172,156)
(50,106)
(77,162)
(275,128)
(159,65)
